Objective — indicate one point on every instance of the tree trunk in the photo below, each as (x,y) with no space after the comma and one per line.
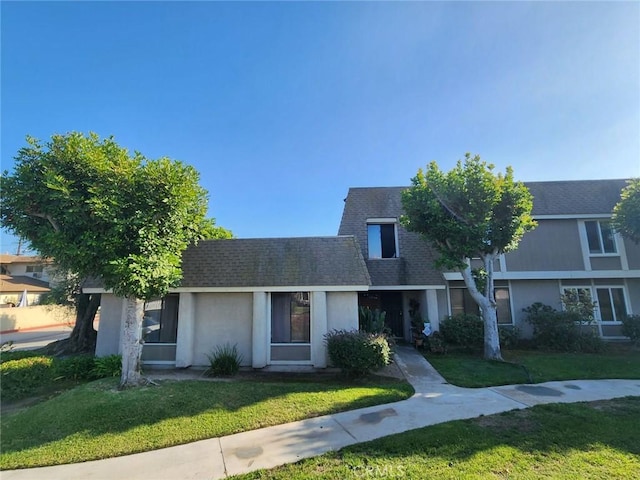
(132,343)
(83,336)
(487,304)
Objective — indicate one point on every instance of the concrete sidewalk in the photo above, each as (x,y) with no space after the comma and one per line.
(434,402)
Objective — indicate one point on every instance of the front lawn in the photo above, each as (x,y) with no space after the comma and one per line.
(469,370)
(562,441)
(95,420)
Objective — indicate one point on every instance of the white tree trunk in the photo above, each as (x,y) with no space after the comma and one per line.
(132,343)
(487,304)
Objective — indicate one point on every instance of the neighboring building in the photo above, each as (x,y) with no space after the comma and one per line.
(573,250)
(20,274)
(277,298)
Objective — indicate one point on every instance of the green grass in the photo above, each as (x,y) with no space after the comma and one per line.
(468,370)
(95,420)
(563,441)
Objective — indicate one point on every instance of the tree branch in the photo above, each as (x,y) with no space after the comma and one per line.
(49,218)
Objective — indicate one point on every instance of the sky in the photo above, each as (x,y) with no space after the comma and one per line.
(282,106)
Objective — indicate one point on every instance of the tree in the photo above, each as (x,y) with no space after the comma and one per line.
(99,211)
(626,213)
(470,212)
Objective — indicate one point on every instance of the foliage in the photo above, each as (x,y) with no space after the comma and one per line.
(94,421)
(470,212)
(106,367)
(23,376)
(371,321)
(78,367)
(225,360)
(509,336)
(463,330)
(631,328)
(358,353)
(97,210)
(561,331)
(626,213)
(578,301)
(64,291)
(436,343)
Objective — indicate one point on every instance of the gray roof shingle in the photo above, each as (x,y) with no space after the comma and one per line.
(575,197)
(264,262)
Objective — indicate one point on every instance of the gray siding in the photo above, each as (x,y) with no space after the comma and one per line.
(525,293)
(633,287)
(606,263)
(553,245)
(633,254)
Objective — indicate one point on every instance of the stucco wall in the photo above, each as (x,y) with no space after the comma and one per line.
(222,318)
(342,311)
(21,318)
(108,341)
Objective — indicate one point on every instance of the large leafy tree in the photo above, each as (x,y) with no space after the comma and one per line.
(470,212)
(100,211)
(626,213)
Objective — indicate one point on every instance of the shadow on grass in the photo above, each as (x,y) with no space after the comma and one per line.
(208,408)
(542,441)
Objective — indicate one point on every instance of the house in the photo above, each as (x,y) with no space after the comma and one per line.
(572,251)
(277,298)
(20,273)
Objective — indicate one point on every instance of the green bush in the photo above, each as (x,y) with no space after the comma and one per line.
(8,355)
(561,331)
(357,353)
(371,321)
(78,367)
(225,360)
(23,376)
(463,330)
(509,336)
(109,366)
(631,328)
(436,343)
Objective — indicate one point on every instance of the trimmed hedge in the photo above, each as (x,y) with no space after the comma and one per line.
(631,328)
(463,330)
(357,353)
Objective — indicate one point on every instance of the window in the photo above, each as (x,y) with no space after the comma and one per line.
(611,304)
(382,240)
(600,237)
(160,322)
(290,317)
(463,302)
(35,270)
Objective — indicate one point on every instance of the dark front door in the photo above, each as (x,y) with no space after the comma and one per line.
(389,302)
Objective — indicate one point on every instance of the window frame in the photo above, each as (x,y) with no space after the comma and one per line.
(467,295)
(593,293)
(272,344)
(601,238)
(380,222)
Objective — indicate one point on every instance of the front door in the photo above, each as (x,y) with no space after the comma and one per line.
(389,302)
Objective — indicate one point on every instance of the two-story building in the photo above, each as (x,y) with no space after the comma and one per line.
(277,298)
(573,250)
(20,274)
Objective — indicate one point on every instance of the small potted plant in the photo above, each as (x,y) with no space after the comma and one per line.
(417,323)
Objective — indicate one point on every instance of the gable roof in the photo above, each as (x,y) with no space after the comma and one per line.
(275,262)
(7,258)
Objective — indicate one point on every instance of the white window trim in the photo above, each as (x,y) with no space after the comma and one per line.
(508,287)
(593,292)
(617,240)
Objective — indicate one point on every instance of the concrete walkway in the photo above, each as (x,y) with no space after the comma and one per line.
(435,401)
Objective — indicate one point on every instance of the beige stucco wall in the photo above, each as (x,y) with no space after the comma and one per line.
(21,318)
(221,318)
(342,311)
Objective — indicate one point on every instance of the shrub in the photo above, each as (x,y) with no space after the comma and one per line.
(78,367)
(225,360)
(562,331)
(24,376)
(436,343)
(463,330)
(371,321)
(109,366)
(357,353)
(509,336)
(631,328)
(8,355)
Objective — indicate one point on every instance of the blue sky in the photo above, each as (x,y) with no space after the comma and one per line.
(282,107)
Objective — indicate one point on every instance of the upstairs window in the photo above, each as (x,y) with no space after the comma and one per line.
(600,236)
(35,270)
(382,240)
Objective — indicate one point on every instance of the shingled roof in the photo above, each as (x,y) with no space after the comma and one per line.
(275,262)
(19,283)
(575,197)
